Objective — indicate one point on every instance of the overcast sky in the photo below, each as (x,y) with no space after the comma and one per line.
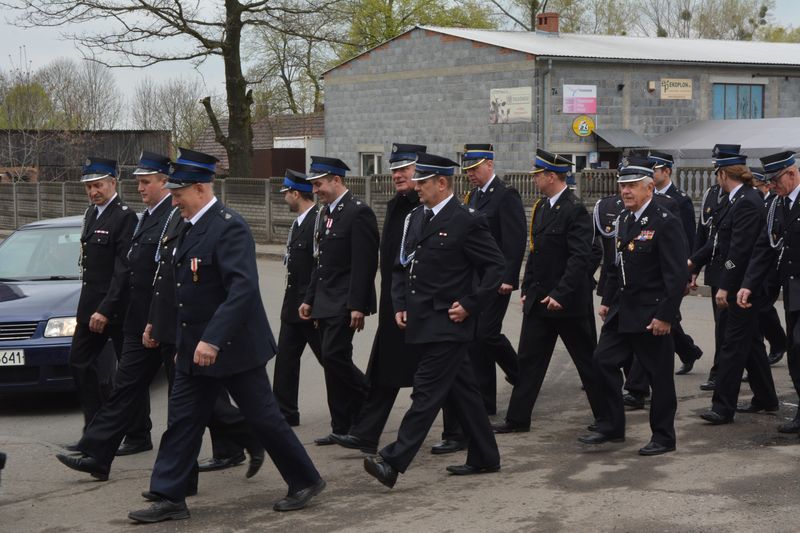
(41,45)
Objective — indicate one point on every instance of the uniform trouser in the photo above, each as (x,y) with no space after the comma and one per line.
(719,329)
(84,359)
(536,344)
(346,385)
(636,381)
(657,359)
(490,347)
(137,368)
(292,342)
(444,369)
(230,433)
(190,407)
(793,353)
(741,349)
(771,329)
(375,412)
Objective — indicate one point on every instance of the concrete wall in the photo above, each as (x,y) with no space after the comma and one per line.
(428,88)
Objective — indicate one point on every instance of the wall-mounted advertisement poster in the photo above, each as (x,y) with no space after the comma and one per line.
(580,99)
(676,89)
(508,106)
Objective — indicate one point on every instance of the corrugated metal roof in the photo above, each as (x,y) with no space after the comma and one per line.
(758,137)
(633,48)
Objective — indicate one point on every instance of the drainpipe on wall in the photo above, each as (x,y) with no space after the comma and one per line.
(545,103)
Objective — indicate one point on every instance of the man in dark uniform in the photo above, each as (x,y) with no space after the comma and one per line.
(738,228)
(640,302)
(452,270)
(681,206)
(295,332)
(769,322)
(503,209)
(392,363)
(105,241)
(556,292)
(780,242)
(224,340)
(341,292)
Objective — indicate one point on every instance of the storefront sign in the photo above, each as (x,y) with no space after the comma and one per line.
(508,106)
(580,99)
(583,126)
(676,89)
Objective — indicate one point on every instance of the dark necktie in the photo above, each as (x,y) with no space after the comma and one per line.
(92,217)
(142,220)
(476,197)
(184,230)
(428,217)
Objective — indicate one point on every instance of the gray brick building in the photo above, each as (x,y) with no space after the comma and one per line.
(433,86)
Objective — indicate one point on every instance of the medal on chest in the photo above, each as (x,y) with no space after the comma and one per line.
(194,264)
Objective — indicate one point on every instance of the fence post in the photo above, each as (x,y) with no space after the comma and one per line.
(63,199)
(14,203)
(268,208)
(38,201)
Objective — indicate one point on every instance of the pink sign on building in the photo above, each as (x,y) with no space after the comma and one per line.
(580,99)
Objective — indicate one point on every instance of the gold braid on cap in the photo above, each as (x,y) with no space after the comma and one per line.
(533,217)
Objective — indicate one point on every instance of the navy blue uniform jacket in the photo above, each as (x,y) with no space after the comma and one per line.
(222,305)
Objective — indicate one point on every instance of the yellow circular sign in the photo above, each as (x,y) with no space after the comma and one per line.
(583,125)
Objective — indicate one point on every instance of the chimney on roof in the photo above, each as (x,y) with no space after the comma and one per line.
(547,23)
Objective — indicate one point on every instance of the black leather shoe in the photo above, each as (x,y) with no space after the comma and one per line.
(716,419)
(467,470)
(160,511)
(130,448)
(84,463)
(633,401)
(790,427)
(775,357)
(355,443)
(751,408)
(214,463)
(509,427)
(327,440)
(708,385)
(655,448)
(256,460)
(599,438)
(685,369)
(298,500)
(380,470)
(448,446)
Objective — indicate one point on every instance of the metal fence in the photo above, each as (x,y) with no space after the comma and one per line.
(261,203)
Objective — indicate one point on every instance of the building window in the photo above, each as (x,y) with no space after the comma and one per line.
(371,164)
(738,101)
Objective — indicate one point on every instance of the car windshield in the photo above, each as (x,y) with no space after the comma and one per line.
(41,254)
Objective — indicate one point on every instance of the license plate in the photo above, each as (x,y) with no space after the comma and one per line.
(12,357)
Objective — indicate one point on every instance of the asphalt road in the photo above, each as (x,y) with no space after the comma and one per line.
(728,478)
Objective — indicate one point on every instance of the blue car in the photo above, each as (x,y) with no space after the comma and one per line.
(39,289)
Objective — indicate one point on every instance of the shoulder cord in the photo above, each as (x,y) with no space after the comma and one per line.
(619,261)
(160,242)
(533,217)
(83,229)
(317,232)
(770,226)
(405,259)
(599,226)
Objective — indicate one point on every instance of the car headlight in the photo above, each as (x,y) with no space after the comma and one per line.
(60,327)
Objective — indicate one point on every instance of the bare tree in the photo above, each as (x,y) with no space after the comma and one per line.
(84,94)
(140,33)
(173,105)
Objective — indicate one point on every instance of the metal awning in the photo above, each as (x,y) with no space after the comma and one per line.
(622,138)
